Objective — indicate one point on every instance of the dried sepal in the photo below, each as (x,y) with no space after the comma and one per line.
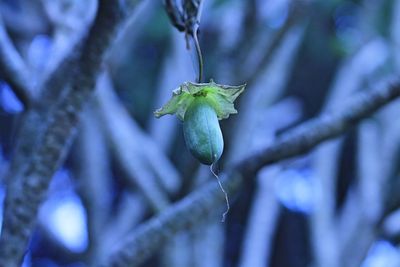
(220,97)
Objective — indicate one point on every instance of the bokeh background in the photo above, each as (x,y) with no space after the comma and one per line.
(336,206)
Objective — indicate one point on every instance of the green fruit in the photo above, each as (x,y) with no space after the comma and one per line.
(202,133)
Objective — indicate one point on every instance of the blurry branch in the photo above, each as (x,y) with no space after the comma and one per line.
(368,208)
(395,130)
(262,224)
(131,35)
(388,224)
(296,15)
(208,243)
(329,125)
(275,77)
(249,67)
(177,251)
(24,19)
(163,131)
(325,161)
(68,35)
(3,166)
(395,33)
(247,26)
(350,77)
(201,246)
(16,73)
(94,177)
(147,238)
(390,154)
(130,212)
(393,144)
(208,238)
(21,206)
(50,87)
(132,148)
(152,155)
(389,227)
(265,209)
(370,215)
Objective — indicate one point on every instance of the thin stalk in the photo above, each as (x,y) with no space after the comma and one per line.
(199,54)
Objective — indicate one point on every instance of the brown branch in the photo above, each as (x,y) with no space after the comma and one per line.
(147,238)
(21,207)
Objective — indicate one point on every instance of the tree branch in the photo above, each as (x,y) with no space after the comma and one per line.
(21,207)
(46,96)
(147,238)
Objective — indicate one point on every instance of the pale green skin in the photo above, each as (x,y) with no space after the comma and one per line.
(202,133)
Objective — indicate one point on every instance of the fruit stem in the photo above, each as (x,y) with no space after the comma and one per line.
(199,54)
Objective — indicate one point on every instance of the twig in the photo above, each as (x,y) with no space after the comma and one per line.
(147,238)
(21,208)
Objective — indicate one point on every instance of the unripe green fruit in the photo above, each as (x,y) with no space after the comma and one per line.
(202,133)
